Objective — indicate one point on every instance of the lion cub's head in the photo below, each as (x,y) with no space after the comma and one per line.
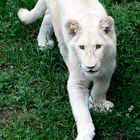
(94,44)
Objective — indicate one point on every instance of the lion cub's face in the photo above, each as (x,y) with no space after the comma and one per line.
(90,50)
(91,46)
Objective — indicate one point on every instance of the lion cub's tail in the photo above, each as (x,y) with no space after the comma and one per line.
(28,17)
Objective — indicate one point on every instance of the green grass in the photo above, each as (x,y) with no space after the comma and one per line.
(34,102)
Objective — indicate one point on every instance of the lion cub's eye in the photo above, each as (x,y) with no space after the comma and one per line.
(98,46)
(82,47)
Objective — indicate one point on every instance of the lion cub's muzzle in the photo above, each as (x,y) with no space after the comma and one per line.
(91,69)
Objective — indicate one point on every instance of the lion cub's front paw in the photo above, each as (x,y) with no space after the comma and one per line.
(102,106)
(86,132)
(85,137)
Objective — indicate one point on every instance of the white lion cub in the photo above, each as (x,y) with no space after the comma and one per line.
(87,42)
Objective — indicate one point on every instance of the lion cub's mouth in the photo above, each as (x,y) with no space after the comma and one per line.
(92,71)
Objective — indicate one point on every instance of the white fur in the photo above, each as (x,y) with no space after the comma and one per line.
(27,16)
(85,22)
(46,28)
(45,31)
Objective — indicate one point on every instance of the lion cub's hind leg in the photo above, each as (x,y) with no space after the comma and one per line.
(45,33)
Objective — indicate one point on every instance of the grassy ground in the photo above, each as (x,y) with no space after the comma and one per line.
(33,97)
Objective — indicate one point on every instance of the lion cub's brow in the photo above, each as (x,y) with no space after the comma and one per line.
(86,3)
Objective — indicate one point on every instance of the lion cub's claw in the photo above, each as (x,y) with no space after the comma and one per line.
(102,106)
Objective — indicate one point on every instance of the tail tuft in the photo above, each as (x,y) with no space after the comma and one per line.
(24,16)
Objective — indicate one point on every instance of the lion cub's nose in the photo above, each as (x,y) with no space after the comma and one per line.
(91,67)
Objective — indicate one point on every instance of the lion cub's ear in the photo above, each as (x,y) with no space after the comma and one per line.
(72,27)
(107,25)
